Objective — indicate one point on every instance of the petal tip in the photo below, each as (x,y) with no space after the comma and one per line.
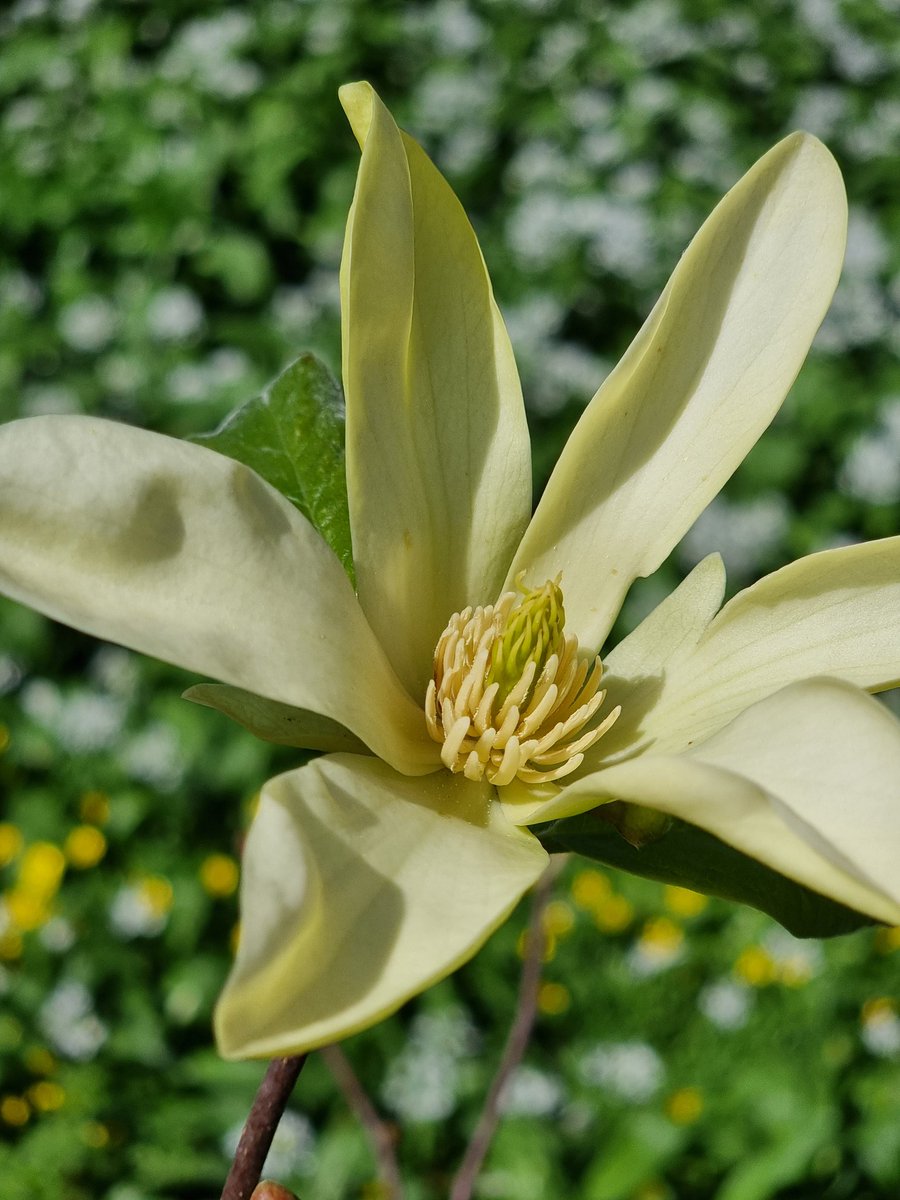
(810,155)
(358,100)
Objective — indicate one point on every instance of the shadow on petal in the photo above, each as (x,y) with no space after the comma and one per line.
(361,888)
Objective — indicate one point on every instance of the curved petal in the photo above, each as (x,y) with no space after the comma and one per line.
(637,670)
(836,613)
(805,781)
(179,552)
(438,459)
(360,889)
(697,387)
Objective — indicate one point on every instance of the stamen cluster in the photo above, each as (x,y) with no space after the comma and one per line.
(511,695)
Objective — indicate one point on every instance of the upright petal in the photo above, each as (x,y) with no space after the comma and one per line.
(184,554)
(697,387)
(438,462)
(834,613)
(361,888)
(806,782)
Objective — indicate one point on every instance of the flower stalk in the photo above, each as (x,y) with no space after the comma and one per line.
(517,1040)
(259,1129)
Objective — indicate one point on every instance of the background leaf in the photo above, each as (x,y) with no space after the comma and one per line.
(691,858)
(293,436)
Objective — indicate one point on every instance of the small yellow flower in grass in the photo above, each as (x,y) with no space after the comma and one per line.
(887,940)
(614,914)
(10,843)
(794,973)
(663,933)
(11,945)
(794,976)
(26,910)
(659,946)
(683,902)
(652,1191)
(590,888)
(461,687)
(553,998)
(880,1026)
(558,919)
(95,1135)
(46,1096)
(878,1008)
(85,846)
(756,967)
(39,1061)
(219,875)
(15,1111)
(41,870)
(157,893)
(94,807)
(685,1106)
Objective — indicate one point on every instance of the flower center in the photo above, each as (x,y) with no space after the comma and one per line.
(511,696)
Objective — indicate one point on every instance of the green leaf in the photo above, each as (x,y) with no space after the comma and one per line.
(636,1151)
(694,859)
(275,722)
(293,436)
(784,1159)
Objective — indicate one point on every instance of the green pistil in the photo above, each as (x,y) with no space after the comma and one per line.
(533,633)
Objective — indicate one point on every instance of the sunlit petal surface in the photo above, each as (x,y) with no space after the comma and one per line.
(835,613)
(438,459)
(362,887)
(698,386)
(181,553)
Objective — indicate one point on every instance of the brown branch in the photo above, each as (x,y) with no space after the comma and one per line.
(517,1041)
(259,1128)
(378,1131)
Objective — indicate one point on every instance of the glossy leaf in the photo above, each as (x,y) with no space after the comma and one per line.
(293,436)
(691,858)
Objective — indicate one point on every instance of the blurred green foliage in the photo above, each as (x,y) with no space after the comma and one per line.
(175,181)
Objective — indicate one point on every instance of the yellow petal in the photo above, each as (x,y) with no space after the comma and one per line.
(438,461)
(361,888)
(836,613)
(173,550)
(806,782)
(697,387)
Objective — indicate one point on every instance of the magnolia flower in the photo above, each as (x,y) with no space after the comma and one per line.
(459,687)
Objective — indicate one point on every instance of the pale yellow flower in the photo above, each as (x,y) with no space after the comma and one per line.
(378,868)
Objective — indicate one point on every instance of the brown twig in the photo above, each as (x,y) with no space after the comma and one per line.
(516,1042)
(259,1128)
(378,1131)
